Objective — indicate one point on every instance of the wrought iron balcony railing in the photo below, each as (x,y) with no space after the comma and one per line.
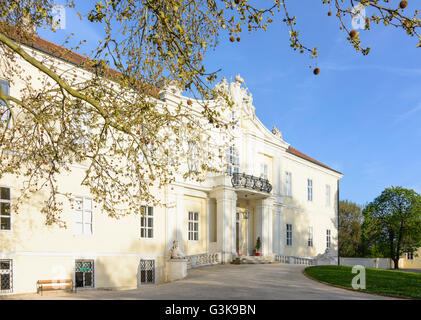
(250,182)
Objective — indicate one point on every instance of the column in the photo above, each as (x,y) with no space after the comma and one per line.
(277,231)
(180,221)
(282,236)
(171,217)
(263,225)
(226,203)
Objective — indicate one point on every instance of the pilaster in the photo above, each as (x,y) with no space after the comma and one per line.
(264,226)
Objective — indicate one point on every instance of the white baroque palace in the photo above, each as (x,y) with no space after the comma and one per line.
(270,191)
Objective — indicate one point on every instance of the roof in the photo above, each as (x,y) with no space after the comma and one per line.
(60,52)
(297,153)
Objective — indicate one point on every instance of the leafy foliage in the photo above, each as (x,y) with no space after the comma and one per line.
(392,223)
(350,221)
(112,120)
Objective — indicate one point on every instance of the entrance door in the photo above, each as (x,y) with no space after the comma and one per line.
(84,274)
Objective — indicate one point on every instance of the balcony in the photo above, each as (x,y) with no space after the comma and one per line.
(242,180)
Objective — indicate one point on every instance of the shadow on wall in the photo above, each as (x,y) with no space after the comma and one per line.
(25,224)
(295,214)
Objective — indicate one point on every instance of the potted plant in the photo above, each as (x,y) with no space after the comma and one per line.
(258,246)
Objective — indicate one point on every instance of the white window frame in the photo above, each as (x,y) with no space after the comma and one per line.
(146,227)
(81,121)
(264,171)
(233,159)
(288,184)
(328,238)
(309,190)
(84,212)
(327,195)
(11,211)
(4,117)
(289,234)
(193,235)
(310,237)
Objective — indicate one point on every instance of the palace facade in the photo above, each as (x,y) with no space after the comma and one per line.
(270,191)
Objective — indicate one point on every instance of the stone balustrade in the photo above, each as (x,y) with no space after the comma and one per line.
(295,260)
(204,259)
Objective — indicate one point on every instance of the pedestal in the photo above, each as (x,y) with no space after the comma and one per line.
(177,269)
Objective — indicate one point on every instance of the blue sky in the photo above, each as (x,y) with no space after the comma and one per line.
(361,115)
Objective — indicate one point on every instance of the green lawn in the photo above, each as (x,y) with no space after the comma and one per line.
(389,282)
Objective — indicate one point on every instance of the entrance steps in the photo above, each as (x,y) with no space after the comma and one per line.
(252,260)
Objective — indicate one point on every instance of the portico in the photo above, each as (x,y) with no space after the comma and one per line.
(244,212)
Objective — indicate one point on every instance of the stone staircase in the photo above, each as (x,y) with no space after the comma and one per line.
(252,260)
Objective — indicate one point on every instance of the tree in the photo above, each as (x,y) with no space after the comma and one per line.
(350,221)
(392,223)
(131,141)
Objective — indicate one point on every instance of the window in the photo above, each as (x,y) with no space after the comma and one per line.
(147,271)
(84,274)
(409,256)
(147,151)
(4,112)
(328,238)
(83,216)
(82,121)
(193,226)
(193,156)
(327,195)
(233,160)
(5,209)
(289,234)
(263,171)
(309,190)
(288,184)
(310,237)
(146,222)
(6,276)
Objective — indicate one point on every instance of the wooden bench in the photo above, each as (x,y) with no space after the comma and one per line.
(46,285)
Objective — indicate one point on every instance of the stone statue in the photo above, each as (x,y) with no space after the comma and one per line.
(175,251)
(276,132)
(326,258)
(222,86)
